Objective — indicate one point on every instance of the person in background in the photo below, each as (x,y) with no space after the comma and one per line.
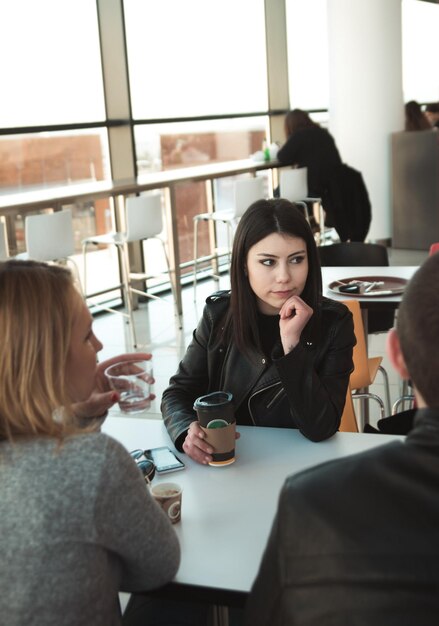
(415,118)
(77,523)
(432,114)
(273,341)
(311,146)
(355,541)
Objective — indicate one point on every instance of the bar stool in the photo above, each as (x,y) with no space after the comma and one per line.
(143,218)
(293,186)
(50,238)
(246,191)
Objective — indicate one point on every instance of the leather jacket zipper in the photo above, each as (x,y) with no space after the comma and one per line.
(260,391)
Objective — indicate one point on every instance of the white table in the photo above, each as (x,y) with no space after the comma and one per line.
(330,274)
(367,303)
(227,512)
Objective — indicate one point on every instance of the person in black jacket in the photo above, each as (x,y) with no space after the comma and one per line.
(311,146)
(281,349)
(355,540)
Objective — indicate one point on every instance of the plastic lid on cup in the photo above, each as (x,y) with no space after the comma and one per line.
(216,398)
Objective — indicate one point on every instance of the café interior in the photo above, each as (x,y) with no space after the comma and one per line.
(118,99)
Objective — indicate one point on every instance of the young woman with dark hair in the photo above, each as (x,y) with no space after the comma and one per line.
(273,341)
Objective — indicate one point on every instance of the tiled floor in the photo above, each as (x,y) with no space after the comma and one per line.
(158,332)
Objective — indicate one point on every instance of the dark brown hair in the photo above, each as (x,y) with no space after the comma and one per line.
(296,120)
(418,329)
(433,107)
(415,118)
(261,219)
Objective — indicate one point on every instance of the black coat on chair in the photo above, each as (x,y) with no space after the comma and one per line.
(347,205)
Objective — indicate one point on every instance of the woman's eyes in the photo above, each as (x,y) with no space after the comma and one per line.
(296,260)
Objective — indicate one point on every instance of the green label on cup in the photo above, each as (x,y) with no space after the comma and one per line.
(217,423)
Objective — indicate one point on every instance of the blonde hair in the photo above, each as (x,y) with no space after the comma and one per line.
(38,304)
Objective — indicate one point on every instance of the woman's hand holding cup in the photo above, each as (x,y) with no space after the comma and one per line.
(195,446)
(103,397)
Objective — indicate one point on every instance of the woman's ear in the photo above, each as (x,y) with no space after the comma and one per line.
(394,352)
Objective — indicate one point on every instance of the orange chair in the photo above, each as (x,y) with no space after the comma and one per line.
(365,367)
(348,422)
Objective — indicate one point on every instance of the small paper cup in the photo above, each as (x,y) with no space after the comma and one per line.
(168,496)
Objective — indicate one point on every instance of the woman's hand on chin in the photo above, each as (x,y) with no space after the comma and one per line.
(293,317)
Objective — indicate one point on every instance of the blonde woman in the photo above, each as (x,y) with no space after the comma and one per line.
(76,521)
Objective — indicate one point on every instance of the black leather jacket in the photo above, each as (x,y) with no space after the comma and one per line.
(304,389)
(323,565)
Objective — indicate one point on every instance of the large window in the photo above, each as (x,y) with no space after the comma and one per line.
(51,65)
(182,144)
(196,58)
(52,158)
(51,75)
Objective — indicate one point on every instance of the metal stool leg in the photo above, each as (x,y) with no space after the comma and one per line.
(127,292)
(195,256)
(84,265)
(180,324)
(386,389)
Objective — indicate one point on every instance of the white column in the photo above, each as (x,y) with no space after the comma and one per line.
(277,66)
(365,94)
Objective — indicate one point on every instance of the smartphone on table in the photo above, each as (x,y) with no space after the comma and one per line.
(164,459)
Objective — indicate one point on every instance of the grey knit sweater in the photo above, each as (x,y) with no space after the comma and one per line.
(77,525)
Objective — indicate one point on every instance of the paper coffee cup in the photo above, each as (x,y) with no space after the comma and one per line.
(217,419)
(168,496)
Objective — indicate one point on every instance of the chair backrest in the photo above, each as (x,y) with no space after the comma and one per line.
(434,248)
(294,184)
(143,216)
(247,191)
(4,253)
(348,423)
(49,236)
(360,377)
(353,254)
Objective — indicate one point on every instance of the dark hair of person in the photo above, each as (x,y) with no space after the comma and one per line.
(418,329)
(415,118)
(296,120)
(260,220)
(433,107)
